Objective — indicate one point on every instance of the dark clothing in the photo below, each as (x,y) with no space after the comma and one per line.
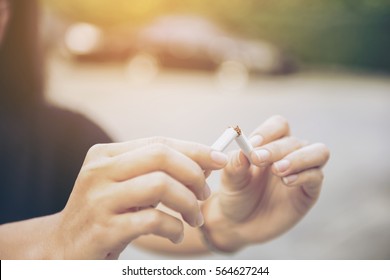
(41,152)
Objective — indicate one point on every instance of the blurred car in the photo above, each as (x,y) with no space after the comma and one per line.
(88,42)
(176,41)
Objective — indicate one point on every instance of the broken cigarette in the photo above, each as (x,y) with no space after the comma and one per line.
(230,134)
(225,139)
(244,144)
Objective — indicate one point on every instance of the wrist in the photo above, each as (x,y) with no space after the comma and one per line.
(220,234)
(29,239)
(48,245)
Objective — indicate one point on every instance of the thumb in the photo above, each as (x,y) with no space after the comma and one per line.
(234,199)
(236,174)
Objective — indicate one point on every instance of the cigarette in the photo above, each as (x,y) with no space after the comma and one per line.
(230,134)
(225,139)
(244,144)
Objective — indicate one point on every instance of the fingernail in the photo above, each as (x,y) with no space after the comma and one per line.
(206,191)
(290,179)
(219,158)
(263,155)
(256,140)
(282,165)
(199,220)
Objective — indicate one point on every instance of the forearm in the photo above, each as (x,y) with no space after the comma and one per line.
(29,239)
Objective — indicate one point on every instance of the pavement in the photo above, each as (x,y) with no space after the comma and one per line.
(348,111)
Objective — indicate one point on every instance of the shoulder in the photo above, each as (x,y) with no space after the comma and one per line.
(69,124)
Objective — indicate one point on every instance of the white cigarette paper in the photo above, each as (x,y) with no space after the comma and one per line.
(245,145)
(230,134)
(225,139)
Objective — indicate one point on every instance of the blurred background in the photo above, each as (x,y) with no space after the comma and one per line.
(188,69)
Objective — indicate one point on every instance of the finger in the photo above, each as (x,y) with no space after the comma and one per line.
(309,182)
(148,221)
(314,155)
(272,129)
(158,157)
(275,150)
(235,175)
(203,155)
(152,189)
(238,195)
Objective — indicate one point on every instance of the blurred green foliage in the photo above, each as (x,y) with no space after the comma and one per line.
(354,33)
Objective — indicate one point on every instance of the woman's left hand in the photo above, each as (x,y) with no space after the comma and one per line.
(259,201)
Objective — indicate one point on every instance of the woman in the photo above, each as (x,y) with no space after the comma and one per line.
(41,146)
(48,211)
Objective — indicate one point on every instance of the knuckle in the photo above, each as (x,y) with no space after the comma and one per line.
(320,175)
(158,140)
(94,167)
(324,152)
(160,152)
(93,171)
(313,178)
(97,150)
(160,182)
(198,149)
(274,149)
(152,220)
(178,230)
(196,177)
(98,224)
(196,173)
(190,215)
(191,202)
(193,205)
(87,176)
(282,121)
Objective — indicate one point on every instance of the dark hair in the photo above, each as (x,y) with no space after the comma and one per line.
(21,64)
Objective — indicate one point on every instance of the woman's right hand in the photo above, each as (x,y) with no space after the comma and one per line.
(110,204)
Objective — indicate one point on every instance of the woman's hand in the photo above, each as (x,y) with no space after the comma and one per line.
(261,201)
(118,185)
